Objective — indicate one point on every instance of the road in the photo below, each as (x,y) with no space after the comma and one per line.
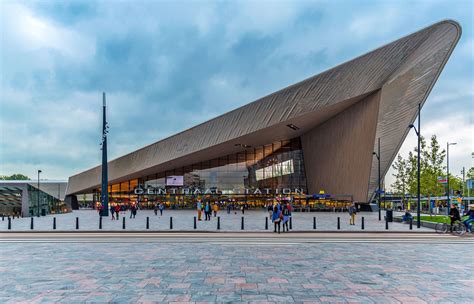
(235,267)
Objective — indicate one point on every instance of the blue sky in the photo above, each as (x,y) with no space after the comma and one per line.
(169,65)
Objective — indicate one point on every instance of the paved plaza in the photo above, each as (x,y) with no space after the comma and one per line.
(239,270)
(183,220)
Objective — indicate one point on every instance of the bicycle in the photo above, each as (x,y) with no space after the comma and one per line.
(457,227)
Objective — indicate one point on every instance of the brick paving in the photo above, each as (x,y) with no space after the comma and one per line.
(184,219)
(226,272)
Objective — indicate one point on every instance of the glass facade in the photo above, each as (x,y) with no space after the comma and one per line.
(254,176)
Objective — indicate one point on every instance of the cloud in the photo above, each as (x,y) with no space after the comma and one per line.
(168,65)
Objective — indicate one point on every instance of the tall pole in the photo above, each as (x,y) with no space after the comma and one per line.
(418,209)
(105,191)
(378,190)
(463,187)
(39,192)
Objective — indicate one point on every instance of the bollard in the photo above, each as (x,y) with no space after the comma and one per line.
(9,223)
(77,223)
(266,223)
(123,222)
(242,224)
(171,222)
(218,223)
(411,224)
(195,226)
(3,217)
(362,224)
(54,223)
(100,222)
(147,222)
(31,224)
(291,223)
(338,223)
(314,222)
(386,224)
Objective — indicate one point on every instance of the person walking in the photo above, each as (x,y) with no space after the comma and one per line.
(454,216)
(215,209)
(112,212)
(229,206)
(133,211)
(199,209)
(155,209)
(286,217)
(352,212)
(161,207)
(117,211)
(276,219)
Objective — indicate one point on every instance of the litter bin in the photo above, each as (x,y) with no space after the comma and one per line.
(43,212)
(389,215)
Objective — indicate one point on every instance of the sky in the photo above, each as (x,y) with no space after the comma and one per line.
(169,65)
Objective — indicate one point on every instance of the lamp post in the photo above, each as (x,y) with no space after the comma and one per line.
(105,180)
(418,134)
(447,169)
(39,171)
(378,180)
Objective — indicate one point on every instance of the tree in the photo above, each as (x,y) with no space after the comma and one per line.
(400,186)
(470,173)
(16,176)
(433,167)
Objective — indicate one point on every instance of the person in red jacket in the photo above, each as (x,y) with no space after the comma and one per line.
(117,211)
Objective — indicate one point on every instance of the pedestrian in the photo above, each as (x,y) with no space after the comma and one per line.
(117,210)
(215,209)
(276,219)
(155,209)
(270,210)
(207,211)
(133,210)
(112,211)
(229,206)
(286,217)
(469,220)
(199,209)
(242,208)
(454,215)
(162,207)
(352,212)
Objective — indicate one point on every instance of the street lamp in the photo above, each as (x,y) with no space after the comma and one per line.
(378,184)
(447,169)
(418,134)
(39,171)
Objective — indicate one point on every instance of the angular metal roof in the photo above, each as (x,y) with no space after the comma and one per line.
(404,70)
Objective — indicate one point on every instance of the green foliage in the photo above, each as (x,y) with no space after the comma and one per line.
(470,173)
(17,176)
(432,166)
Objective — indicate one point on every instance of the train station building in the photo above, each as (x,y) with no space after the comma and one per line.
(315,135)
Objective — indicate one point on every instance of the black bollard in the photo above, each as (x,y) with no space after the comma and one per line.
(123,222)
(386,224)
(266,223)
(100,222)
(31,224)
(195,226)
(218,223)
(291,223)
(314,222)
(54,223)
(171,222)
(3,217)
(77,223)
(411,224)
(147,222)
(242,224)
(338,223)
(362,224)
(9,223)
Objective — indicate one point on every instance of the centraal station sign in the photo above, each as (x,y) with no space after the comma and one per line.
(192,191)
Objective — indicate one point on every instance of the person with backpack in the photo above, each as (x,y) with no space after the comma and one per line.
(352,212)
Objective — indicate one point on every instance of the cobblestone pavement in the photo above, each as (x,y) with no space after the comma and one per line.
(243,271)
(184,220)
